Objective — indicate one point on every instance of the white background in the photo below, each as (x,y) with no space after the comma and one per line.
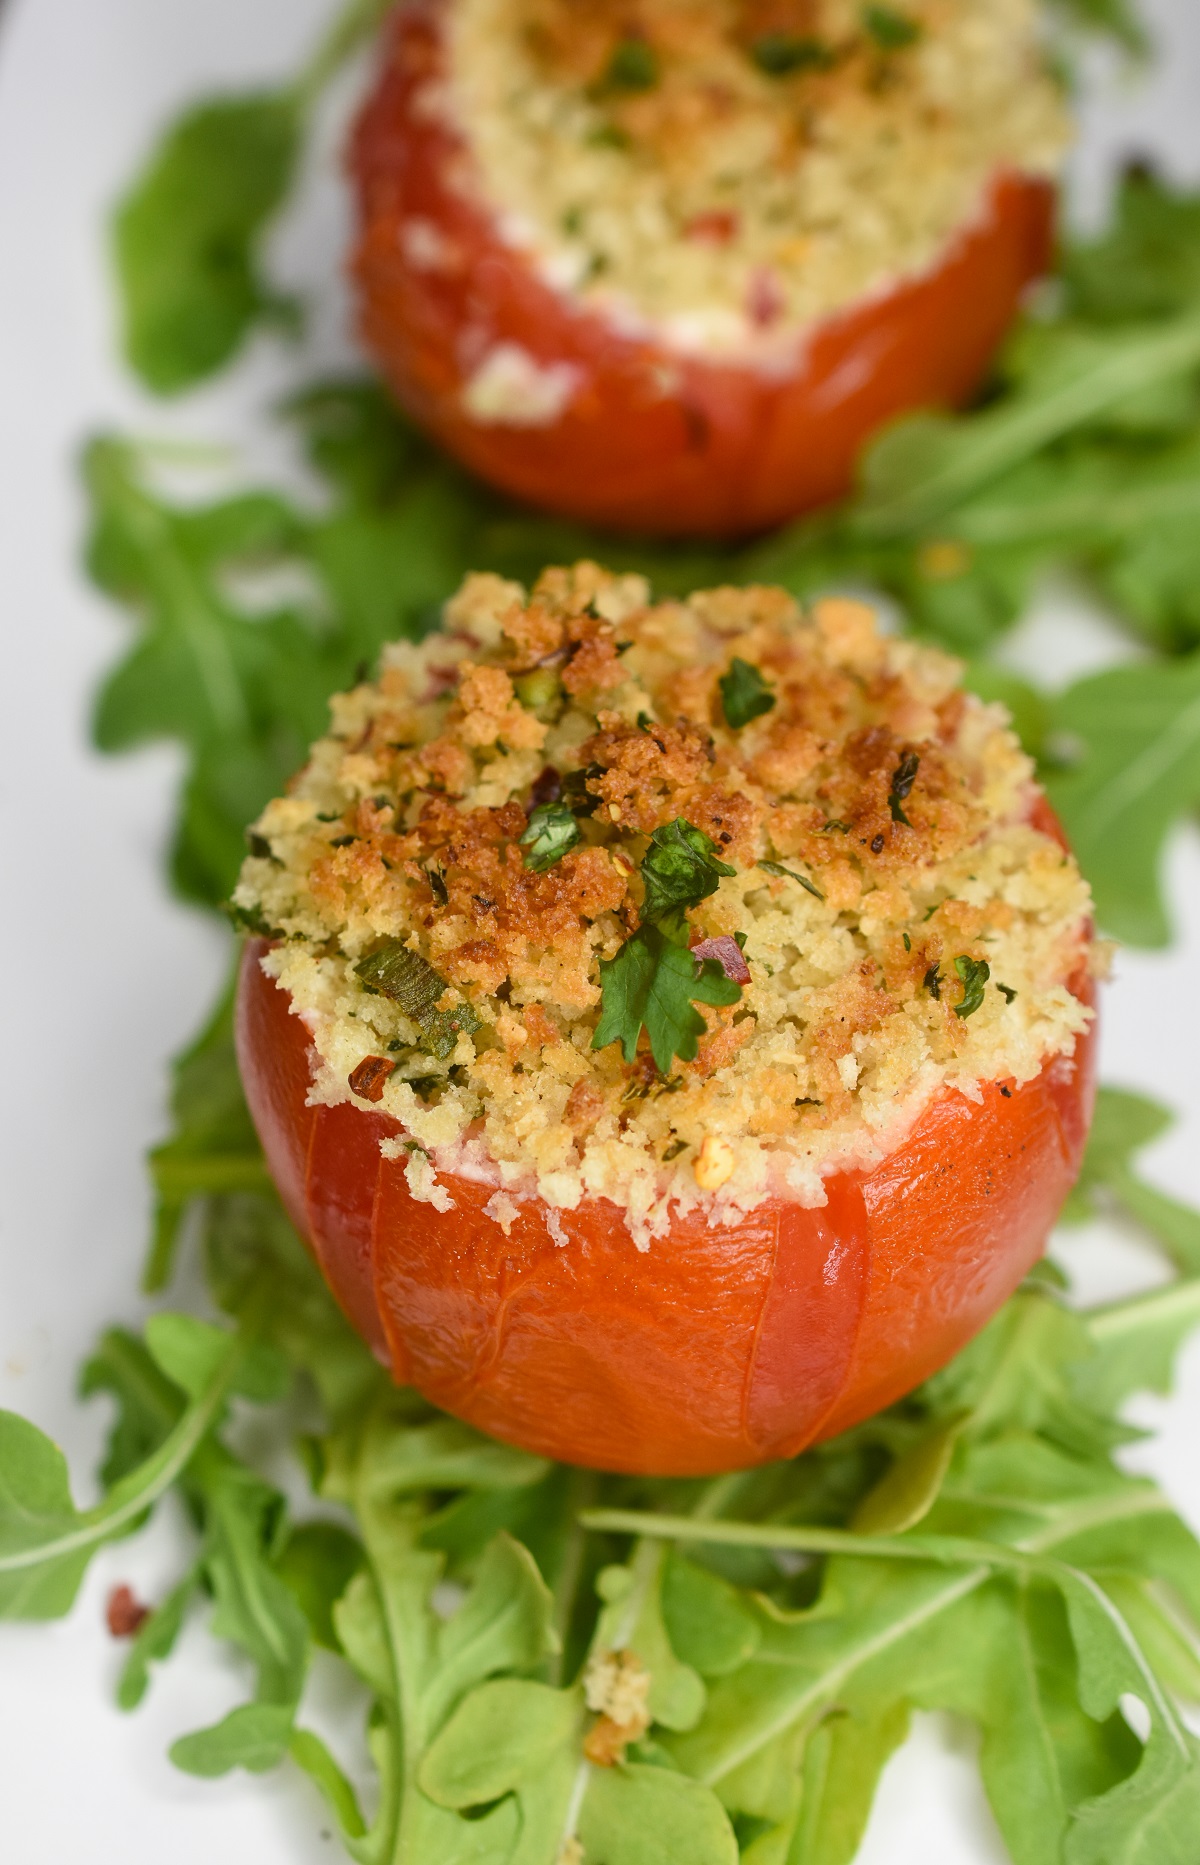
(106,975)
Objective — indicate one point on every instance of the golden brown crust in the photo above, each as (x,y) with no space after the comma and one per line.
(891,811)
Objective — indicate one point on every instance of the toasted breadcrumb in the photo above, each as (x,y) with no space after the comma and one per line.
(405,826)
(761,165)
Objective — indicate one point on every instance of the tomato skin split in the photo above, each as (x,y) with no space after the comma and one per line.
(716,1349)
(648,439)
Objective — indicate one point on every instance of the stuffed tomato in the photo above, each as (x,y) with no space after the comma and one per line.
(670,1025)
(666,264)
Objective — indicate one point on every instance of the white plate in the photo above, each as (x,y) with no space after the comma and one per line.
(105,975)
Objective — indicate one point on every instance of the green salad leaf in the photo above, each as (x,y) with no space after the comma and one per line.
(189,232)
(979,1547)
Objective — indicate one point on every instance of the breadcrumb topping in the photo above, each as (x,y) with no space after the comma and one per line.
(731,171)
(902,927)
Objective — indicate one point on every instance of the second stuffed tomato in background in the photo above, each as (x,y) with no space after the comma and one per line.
(665,265)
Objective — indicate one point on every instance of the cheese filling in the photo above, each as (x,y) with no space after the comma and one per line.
(731,171)
(899,925)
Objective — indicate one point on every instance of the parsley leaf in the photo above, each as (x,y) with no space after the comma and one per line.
(551,832)
(653,982)
(974,974)
(745,695)
(680,868)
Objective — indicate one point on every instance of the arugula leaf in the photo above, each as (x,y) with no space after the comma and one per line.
(1133,735)
(45,1543)
(1122,1125)
(551,833)
(680,868)
(186,236)
(214,1148)
(745,695)
(652,983)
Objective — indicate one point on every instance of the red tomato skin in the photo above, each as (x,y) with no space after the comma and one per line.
(652,441)
(717,1348)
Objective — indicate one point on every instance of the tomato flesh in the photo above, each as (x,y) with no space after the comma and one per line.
(651,440)
(718,1347)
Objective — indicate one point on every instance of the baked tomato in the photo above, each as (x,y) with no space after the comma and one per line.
(676,1037)
(573,274)
(719,1347)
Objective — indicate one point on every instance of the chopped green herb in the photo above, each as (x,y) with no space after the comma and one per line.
(891,30)
(974,973)
(652,983)
(932,981)
(745,695)
(907,943)
(1006,991)
(258,845)
(903,778)
(680,868)
(539,691)
(835,827)
(632,67)
(777,868)
(673,1151)
(250,920)
(394,970)
(575,793)
(437,886)
(551,831)
(779,54)
(644,722)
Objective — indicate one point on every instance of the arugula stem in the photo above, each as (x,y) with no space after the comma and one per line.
(987,1558)
(952,1550)
(582,1490)
(993,442)
(353,25)
(135,1493)
(1177,1301)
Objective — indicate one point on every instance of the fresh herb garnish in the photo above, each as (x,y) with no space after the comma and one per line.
(973,974)
(781,873)
(745,695)
(891,30)
(551,832)
(779,54)
(903,778)
(652,984)
(932,981)
(575,792)
(395,971)
(654,981)
(1007,993)
(633,67)
(680,868)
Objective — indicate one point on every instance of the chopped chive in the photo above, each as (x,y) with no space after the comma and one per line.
(777,868)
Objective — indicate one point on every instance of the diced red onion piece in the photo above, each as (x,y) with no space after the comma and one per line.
(728,954)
